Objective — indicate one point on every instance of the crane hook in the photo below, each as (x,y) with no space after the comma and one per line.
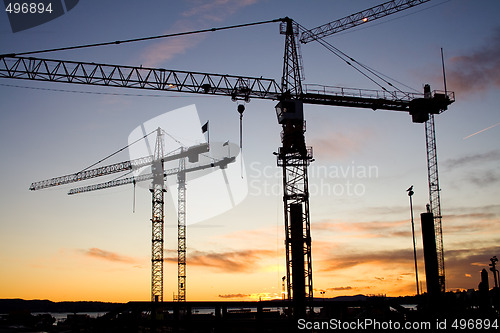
(241,109)
(133,207)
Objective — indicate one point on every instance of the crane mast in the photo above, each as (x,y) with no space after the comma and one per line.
(157,189)
(181,231)
(294,158)
(434,196)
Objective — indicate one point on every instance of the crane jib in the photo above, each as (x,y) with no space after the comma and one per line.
(237,87)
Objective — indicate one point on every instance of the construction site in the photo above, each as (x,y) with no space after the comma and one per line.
(173,155)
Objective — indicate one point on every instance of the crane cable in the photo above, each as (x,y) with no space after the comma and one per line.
(116,152)
(371,70)
(145,38)
(349,61)
(96,92)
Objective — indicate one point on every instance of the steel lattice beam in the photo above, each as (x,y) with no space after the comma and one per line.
(157,244)
(291,79)
(158,189)
(296,196)
(238,87)
(88,174)
(181,231)
(111,183)
(130,180)
(434,195)
(387,8)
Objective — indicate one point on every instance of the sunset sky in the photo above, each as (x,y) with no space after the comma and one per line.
(92,246)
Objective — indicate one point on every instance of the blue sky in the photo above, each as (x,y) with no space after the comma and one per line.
(77,247)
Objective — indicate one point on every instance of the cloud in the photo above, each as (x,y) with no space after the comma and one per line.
(366,229)
(235,296)
(230,261)
(402,257)
(476,225)
(470,216)
(200,16)
(485,209)
(167,50)
(255,296)
(470,257)
(340,145)
(477,70)
(467,160)
(485,178)
(217,10)
(106,255)
(386,210)
(463,266)
(340,288)
(484,172)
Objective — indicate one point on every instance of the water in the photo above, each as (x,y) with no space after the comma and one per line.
(62,316)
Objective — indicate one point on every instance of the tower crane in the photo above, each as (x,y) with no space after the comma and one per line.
(181,173)
(157,189)
(293,156)
(379,11)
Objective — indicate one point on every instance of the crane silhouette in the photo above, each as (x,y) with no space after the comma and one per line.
(294,156)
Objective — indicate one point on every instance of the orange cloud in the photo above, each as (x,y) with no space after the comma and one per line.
(231,261)
(166,50)
(401,257)
(463,266)
(235,296)
(106,255)
(367,229)
(340,288)
(200,16)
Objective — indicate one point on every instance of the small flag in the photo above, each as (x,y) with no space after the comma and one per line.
(225,143)
(204,128)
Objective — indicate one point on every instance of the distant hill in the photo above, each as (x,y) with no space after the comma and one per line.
(354,298)
(16,305)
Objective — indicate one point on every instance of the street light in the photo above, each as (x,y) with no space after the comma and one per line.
(410,194)
(494,260)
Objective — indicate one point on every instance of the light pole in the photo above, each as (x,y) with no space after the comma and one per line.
(494,260)
(410,194)
(283,280)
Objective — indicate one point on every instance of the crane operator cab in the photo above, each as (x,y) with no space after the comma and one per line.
(289,110)
(290,115)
